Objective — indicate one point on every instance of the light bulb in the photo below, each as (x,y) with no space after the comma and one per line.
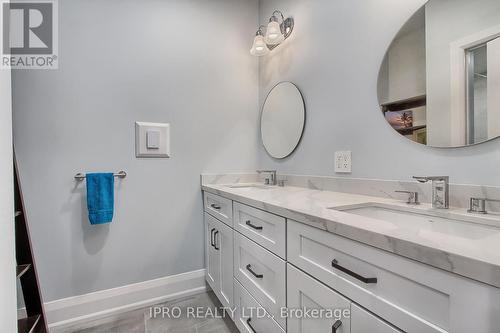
(273,32)
(259,47)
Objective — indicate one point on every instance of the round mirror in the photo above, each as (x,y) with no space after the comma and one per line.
(439,83)
(282,120)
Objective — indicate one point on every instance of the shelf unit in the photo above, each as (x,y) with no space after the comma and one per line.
(410,130)
(35,321)
(21,269)
(29,325)
(405,104)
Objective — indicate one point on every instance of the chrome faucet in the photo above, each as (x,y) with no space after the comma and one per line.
(272,180)
(478,205)
(440,190)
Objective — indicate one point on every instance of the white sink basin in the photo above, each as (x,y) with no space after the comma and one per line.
(428,223)
(254,186)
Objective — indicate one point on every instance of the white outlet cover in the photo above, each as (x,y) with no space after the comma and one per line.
(343,162)
(159,140)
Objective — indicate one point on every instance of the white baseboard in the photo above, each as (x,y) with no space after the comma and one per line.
(75,310)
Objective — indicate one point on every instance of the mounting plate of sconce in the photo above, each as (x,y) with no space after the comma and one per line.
(275,34)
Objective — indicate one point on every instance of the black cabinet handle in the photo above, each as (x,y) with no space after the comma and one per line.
(214,206)
(249,223)
(336,265)
(250,325)
(258,276)
(336,325)
(212,237)
(215,240)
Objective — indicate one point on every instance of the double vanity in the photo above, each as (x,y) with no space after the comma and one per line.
(421,256)
(378,264)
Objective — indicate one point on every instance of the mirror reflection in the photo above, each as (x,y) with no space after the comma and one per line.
(439,83)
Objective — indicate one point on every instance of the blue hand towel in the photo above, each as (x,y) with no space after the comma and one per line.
(100,197)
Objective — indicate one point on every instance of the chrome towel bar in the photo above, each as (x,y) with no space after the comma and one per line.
(121,174)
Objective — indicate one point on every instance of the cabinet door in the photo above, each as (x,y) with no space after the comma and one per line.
(362,322)
(212,257)
(224,245)
(304,292)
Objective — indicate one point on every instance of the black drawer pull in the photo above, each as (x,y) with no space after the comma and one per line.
(215,240)
(249,223)
(336,325)
(250,325)
(212,237)
(336,265)
(258,276)
(214,206)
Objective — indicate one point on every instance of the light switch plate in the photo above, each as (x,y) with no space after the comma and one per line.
(343,162)
(152,140)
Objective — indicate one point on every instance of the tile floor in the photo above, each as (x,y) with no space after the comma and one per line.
(142,321)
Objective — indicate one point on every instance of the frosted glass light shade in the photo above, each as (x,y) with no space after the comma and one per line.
(273,33)
(259,47)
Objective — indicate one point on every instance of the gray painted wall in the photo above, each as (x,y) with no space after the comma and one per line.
(187,63)
(334,57)
(121,61)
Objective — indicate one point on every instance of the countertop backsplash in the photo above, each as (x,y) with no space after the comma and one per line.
(460,194)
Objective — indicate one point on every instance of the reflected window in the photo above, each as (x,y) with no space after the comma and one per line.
(477,94)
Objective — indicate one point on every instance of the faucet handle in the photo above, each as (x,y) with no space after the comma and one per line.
(412,197)
(281,182)
(478,205)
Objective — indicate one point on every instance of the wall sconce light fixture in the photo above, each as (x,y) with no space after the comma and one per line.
(275,34)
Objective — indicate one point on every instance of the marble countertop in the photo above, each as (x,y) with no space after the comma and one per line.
(472,250)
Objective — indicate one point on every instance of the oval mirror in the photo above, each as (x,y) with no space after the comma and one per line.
(439,83)
(282,120)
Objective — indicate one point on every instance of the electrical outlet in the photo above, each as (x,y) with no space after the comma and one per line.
(343,162)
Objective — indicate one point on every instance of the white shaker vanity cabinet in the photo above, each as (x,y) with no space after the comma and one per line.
(411,296)
(255,258)
(256,265)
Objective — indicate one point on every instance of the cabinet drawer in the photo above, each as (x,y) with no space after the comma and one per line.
(250,316)
(363,322)
(304,292)
(264,228)
(219,207)
(404,292)
(262,274)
